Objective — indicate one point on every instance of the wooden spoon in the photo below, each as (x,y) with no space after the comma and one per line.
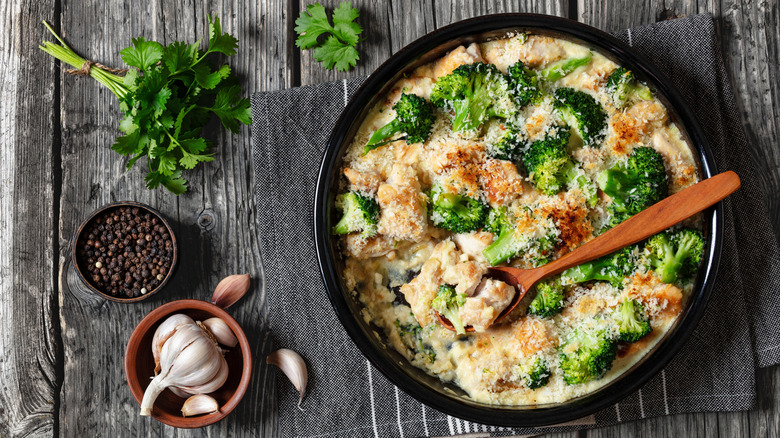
(650,221)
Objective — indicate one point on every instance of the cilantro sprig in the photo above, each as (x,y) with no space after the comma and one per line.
(167,96)
(337,48)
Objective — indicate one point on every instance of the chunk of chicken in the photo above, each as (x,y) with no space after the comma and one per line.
(402,206)
(461,55)
(490,298)
(501,181)
(366,182)
(361,248)
(421,291)
(472,244)
(660,299)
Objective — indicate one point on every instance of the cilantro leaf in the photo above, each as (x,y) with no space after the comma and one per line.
(188,160)
(338,49)
(220,42)
(231,109)
(175,183)
(312,23)
(344,26)
(180,56)
(208,79)
(143,53)
(338,54)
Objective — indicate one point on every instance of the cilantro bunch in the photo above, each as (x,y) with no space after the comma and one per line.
(338,49)
(168,95)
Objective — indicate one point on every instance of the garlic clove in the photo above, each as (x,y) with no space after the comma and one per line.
(212,385)
(293,366)
(165,331)
(230,290)
(221,331)
(198,405)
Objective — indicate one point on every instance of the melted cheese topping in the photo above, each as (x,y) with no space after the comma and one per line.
(395,275)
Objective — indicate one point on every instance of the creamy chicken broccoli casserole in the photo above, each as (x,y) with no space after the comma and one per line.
(515,151)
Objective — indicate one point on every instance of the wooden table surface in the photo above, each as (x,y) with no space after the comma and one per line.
(61,349)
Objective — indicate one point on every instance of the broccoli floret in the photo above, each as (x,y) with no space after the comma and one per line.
(547,159)
(561,68)
(536,373)
(635,185)
(582,108)
(361,213)
(414,117)
(676,255)
(510,146)
(511,243)
(475,93)
(548,301)
(575,177)
(613,268)
(497,221)
(587,355)
(447,303)
(455,212)
(624,88)
(631,321)
(523,83)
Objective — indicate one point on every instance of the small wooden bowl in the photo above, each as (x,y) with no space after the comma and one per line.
(79,264)
(139,365)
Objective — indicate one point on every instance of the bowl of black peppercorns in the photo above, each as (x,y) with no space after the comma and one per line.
(125,251)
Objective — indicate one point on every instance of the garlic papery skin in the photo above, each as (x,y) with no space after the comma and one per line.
(163,332)
(180,392)
(293,366)
(198,405)
(189,358)
(230,290)
(221,331)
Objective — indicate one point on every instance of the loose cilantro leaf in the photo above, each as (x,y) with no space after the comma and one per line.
(338,48)
(335,53)
(167,99)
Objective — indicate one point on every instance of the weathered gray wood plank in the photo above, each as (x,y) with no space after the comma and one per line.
(214,221)
(29,330)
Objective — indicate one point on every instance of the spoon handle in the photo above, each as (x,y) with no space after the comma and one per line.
(649,221)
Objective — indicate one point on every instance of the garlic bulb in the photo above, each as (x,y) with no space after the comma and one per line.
(188,359)
(199,404)
(221,331)
(230,290)
(293,366)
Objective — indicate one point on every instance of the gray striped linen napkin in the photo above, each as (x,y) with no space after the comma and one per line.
(715,370)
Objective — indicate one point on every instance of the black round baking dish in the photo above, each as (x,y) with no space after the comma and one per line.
(449,398)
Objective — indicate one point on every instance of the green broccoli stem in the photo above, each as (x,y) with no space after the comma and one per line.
(502,249)
(451,313)
(559,69)
(453,202)
(67,55)
(381,134)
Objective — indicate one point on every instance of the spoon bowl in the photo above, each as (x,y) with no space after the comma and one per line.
(652,220)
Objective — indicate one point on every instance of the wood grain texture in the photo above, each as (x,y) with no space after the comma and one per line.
(214,221)
(29,329)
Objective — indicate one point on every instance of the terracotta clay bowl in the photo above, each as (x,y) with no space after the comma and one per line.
(139,365)
(80,266)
